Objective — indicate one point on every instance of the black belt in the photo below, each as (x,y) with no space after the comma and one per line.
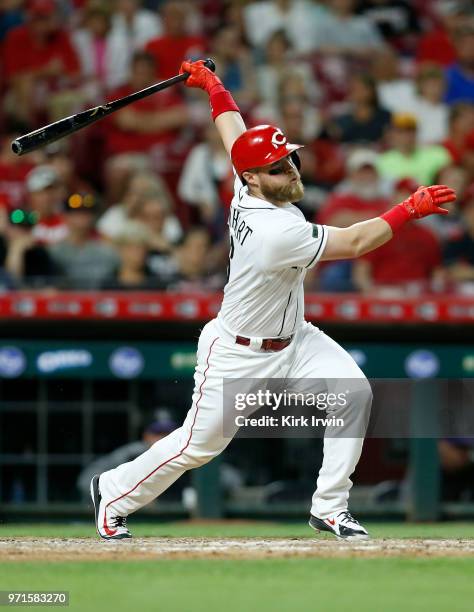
(268,344)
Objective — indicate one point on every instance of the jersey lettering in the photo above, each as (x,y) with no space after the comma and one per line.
(241,230)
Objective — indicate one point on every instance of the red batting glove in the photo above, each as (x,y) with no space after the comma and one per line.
(425,201)
(201,77)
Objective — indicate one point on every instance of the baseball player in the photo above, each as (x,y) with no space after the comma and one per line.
(260,331)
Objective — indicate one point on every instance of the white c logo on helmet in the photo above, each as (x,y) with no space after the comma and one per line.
(278,139)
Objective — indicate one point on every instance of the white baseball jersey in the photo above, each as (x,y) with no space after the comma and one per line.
(271,247)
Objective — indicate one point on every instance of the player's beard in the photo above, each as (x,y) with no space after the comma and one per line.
(293,192)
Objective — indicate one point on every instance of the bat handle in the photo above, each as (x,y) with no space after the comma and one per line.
(207,62)
(210,64)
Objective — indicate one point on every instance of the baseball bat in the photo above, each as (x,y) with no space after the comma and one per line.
(59,129)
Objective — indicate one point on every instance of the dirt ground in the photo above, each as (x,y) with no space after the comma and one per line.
(85,549)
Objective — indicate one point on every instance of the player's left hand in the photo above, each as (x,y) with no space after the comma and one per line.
(427,200)
(199,75)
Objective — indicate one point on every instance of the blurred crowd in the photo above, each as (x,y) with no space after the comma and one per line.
(380,92)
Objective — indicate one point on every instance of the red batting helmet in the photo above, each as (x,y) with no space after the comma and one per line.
(260,146)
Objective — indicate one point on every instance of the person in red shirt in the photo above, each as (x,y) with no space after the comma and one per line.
(360,197)
(13,172)
(46,195)
(406,264)
(461,125)
(176,44)
(436,46)
(38,58)
(142,136)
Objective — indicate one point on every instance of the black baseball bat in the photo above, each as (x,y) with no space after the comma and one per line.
(68,125)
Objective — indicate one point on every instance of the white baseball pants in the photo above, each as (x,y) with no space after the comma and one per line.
(311,354)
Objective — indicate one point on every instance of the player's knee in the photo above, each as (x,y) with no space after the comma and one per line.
(195,455)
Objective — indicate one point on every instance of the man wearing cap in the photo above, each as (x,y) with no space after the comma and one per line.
(405,158)
(260,333)
(82,259)
(45,194)
(154,431)
(361,196)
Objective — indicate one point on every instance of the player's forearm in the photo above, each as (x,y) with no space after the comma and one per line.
(368,235)
(230,126)
(224,110)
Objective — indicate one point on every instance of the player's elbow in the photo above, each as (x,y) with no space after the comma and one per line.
(358,244)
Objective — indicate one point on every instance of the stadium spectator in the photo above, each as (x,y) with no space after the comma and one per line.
(276,64)
(82,260)
(207,181)
(141,135)
(341,31)
(461,125)
(234,65)
(132,273)
(24,263)
(191,264)
(396,20)
(436,45)
(104,58)
(447,227)
(405,158)
(46,194)
(13,172)
(163,227)
(160,427)
(405,265)
(427,106)
(396,91)
(458,256)
(176,42)
(57,155)
(39,61)
(155,215)
(361,196)
(467,160)
(11,16)
(296,18)
(366,121)
(460,75)
(322,160)
(134,25)
(140,186)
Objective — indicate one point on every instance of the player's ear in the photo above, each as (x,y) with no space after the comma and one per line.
(250,178)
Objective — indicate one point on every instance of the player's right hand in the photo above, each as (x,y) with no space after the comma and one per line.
(199,75)
(427,200)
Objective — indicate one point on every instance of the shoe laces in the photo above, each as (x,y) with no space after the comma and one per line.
(119,521)
(347,516)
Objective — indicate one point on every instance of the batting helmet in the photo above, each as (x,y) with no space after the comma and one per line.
(260,146)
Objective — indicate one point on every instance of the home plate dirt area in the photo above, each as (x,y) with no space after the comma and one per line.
(84,549)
